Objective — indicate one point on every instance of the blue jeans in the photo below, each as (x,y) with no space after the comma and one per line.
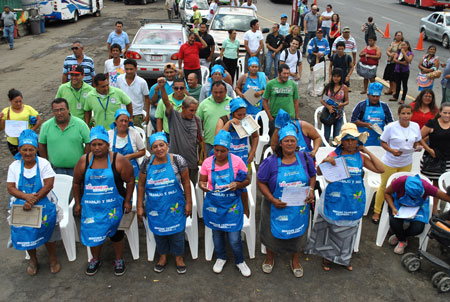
(170,243)
(326,32)
(8,33)
(65,171)
(153,116)
(234,238)
(336,129)
(308,37)
(269,61)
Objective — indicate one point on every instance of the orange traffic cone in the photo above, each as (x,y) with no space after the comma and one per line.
(315,2)
(420,43)
(386,32)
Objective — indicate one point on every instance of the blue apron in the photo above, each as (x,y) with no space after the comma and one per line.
(289,222)
(101,206)
(373,115)
(300,139)
(346,199)
(28,238)
(223,211)
(239,146)
(127,149)
(165,202)
(423,215)
(257,84)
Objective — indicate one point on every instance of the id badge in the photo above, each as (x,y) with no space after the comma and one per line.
(123,106)
(79,105)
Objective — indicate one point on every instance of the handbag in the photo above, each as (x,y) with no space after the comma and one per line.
(328,118)
(432,164)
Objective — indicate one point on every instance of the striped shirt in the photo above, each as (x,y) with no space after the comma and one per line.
(88,65)
(322,45)
(350,44)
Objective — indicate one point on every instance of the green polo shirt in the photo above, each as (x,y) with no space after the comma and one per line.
(104,107)
(161,111)
(209,112)
(76,99)
(64,148)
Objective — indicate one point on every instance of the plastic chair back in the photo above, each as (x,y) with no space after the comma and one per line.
(265,121)
(205,74)
(267,153)
(62,188)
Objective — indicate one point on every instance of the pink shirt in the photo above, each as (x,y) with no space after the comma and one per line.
(238,164)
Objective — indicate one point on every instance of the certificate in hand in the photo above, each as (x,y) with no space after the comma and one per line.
(295,195)
(126,221)
(31,218)
(377,129)
(247,126)
(14,128)
(335,173)
(250,96)
(407,212)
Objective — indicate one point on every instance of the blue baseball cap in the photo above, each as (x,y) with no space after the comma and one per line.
(98,132)
(283,16)
(158,136)
(375,89)
(237,103)
(288,130)
(223,138)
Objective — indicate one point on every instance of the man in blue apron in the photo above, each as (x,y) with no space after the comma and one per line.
(29,191)
(223,209)
(372,112)
(101,176)
(253,79)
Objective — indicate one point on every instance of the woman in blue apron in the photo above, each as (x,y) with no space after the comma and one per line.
(409,191)
(101,198)
(164,180)
(282,226)
(30,180)
(342,204)
(124,139)
(306,133)
(222,177)
(253,79)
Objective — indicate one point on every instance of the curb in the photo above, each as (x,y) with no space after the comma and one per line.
(386,84)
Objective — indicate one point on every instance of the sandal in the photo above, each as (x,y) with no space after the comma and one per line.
(401,102)
(349,267)
(393,100)
(326,265)
(32,270)
(388,92)
(298,272)
(55,268)
(267,268)
(376,220)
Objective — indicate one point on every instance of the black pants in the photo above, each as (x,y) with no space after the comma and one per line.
(13,148)
(308,37)
(401,78)
(118,236)
(414,229)
(198,72)
(230,66)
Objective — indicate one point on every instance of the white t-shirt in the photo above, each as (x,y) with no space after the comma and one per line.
(135,138)
(250,6)
(45,170)
(136,92)
(114,71)
(400,138)
(253,39)
(212,7)
(291,60)
(327,23)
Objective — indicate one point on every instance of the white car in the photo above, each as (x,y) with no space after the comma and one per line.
(436,26)
(187,13)
(237,18)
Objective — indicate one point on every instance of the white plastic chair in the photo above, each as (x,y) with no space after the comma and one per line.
(142,134)
(191,232)
(253,183)
(240,66)
(264,139)
(249,230)
(267,153)
(372,180)
(383,226)
(200,196)
(205,74)
(444,182)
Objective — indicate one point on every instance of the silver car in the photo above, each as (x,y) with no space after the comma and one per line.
(436,27)
(155,45)
(187,13)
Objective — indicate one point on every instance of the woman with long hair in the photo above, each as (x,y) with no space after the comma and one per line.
(335,30)
(390,66)
(428,65)
(402,61)
(424,107)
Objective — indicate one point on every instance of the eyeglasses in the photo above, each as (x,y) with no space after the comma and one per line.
(74,48)
(59,110)
(178,88)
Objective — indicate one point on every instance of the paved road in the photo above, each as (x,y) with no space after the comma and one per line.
(354,13)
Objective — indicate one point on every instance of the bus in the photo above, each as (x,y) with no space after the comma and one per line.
(427,3)
(65,9)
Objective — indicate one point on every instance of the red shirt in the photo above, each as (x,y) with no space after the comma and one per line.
(190,55)
(421,118)
(398,186)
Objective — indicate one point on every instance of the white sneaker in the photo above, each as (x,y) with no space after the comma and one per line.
(244,269)
(400,248)
(393,240)
(218,266)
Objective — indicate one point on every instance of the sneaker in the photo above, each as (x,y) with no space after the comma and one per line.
(159,268)
(119,267)
(181,269)
(244,269)
(93,267)
(400,248)
(218,266)
(393,240)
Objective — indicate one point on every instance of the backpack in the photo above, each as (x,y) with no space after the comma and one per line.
(286,53)
(347,61)
(370,30)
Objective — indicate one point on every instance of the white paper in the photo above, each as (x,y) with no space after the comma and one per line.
(406,151)
(250,96)
(31,218)
(14,128)
(127,219)
(295,195)
(247,127)
(407,212)
(335,173)
(377,129)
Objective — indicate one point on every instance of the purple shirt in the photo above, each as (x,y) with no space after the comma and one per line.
(398,186)
(400,67)
(268,170)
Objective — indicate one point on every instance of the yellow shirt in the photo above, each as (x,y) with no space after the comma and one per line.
(22,116)
(197,17)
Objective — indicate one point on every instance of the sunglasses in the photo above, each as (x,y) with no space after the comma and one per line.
(178,88)
(74,48)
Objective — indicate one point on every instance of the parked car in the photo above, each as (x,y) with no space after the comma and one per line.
(436,27)
(186,12)
(155,45)
(143,2)
(237,18)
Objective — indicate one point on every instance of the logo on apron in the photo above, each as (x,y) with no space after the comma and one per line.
(357,195)
(233,209)
(45,221)
(174,208)
(112,214)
